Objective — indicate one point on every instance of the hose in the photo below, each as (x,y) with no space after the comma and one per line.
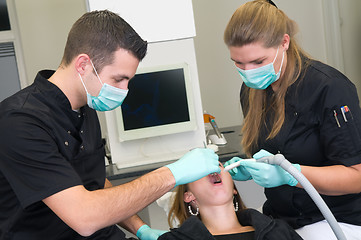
(280,160)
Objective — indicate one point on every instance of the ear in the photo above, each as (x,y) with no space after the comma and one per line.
(188,197)
(81,61)
(286,41)
(234,192)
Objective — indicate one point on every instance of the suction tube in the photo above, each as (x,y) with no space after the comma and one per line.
(280,160)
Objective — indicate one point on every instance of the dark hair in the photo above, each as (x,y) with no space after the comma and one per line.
(99,34)
(272,3)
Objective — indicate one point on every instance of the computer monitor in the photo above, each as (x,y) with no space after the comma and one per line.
(159,102)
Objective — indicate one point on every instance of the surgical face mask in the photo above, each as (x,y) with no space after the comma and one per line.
(262,77)
(109,97)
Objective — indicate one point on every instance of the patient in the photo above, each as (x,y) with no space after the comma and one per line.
(211,208)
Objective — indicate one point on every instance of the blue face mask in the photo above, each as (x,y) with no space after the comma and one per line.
(262,77)
(109,97)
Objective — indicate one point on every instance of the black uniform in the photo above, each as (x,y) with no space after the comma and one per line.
(315,133)
(265,229)
(46,147)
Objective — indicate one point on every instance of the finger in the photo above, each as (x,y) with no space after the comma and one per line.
(262,153)
(252,165)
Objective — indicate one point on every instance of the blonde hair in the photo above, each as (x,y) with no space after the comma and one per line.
(260,22)
(179,209)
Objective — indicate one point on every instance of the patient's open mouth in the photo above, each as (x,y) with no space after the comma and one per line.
(215,178)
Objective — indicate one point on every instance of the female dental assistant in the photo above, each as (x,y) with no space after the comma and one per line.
(303,109)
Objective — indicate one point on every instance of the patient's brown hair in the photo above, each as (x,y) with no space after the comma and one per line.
(179,209)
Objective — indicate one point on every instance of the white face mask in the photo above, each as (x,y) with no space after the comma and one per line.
(262,77)
(109,97)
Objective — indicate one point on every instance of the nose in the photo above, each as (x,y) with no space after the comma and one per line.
(124,84)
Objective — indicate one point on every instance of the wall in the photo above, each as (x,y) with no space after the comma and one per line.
(44,26)
(351,39)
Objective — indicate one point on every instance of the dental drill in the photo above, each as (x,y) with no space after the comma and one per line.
(280,160)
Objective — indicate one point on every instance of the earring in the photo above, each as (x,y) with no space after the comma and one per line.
(235,204)
(191,212)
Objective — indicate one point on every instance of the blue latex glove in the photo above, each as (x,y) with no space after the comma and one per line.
(239,173)
(194,165)
(268,175)
(147,233)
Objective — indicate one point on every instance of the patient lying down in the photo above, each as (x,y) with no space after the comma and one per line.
(211,208)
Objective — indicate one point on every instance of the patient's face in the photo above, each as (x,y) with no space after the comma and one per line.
(214,189)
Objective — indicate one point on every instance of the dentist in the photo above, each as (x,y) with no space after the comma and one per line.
(52,171)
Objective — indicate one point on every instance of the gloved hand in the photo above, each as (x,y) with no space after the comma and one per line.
(147,233)
(194,165)
(238,173)
(268,175)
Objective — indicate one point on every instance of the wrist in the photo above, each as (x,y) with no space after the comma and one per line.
(171,178)
(297,166)
(141,230)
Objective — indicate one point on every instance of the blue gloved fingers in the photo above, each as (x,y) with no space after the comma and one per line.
(259,172)
(268,176)
(147,233)
(233,171)
(262,153)
(194,165)
(238,173)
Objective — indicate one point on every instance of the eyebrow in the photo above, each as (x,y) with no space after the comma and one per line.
(253,61)
(121,76)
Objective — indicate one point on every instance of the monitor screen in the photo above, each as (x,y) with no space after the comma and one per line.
(159,102)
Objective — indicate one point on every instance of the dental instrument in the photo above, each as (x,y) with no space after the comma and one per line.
(281,161)
(237,164)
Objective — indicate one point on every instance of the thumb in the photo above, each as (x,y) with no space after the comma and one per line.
(250,165)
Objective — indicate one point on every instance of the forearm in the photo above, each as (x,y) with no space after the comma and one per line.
(334,180)
(119,204)
(88,211)
(131,224)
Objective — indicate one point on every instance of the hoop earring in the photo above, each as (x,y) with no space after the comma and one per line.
(235,203)
(190,210)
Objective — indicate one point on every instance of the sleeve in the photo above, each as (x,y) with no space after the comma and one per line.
(31,162)
(340,130)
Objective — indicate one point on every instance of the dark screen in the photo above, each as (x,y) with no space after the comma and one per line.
(4,16)
(154,99)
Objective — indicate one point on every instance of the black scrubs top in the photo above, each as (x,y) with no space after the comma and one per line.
(312,135)
(46,147)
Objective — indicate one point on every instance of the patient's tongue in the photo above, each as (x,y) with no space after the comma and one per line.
(215,178)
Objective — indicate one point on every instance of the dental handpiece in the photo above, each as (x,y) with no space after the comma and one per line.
(237,164)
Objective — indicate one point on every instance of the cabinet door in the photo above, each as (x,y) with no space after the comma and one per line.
(155,20)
